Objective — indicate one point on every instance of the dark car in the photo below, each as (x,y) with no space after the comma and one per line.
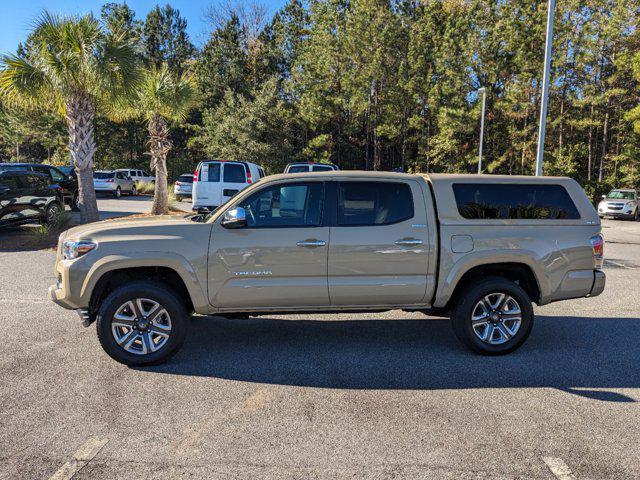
(27,197)
(68,181)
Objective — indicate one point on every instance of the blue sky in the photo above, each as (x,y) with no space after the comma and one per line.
(17,16)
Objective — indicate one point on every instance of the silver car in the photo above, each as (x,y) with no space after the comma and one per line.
(114,183)
(620,203)
(183,186)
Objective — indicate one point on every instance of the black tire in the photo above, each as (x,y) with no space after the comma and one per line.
(117,193)
(134,191)
(157,292)
(53,209)
(178,198)
(466,304)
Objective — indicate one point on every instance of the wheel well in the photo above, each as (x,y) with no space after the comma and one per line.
(516,272)
(115,278)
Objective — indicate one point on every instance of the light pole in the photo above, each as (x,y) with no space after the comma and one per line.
(481,91)
(545,87)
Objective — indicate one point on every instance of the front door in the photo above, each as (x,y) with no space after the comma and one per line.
(379,244)
(280,258)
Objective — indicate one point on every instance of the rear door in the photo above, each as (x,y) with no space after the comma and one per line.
(280,258)
(234,179)
(207,191)
(379,250)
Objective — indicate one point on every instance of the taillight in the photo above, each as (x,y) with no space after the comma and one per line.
(109,180)
(249,180)
(597,244)
(178,183)
(195,174)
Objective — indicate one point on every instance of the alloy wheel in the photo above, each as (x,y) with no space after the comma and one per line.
(141,326)
(496,318)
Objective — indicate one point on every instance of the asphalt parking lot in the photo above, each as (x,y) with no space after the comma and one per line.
(380,396)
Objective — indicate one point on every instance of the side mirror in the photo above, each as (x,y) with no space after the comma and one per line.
(235,218)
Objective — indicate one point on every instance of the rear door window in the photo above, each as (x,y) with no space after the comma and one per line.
(373,203)
(514,201)
(234,173)
(210,172)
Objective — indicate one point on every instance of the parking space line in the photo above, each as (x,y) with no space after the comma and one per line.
(81,458)
(560,469)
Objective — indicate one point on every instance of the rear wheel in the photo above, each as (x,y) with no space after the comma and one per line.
(117,193)
(142,323)
(493,317)
(178,198)
(134,191)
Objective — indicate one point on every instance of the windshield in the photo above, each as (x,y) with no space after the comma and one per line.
(102,175)
(618,195)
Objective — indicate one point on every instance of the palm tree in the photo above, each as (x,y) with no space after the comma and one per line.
(161,98)
(71,65)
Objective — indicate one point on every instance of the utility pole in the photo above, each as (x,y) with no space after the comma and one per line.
(481,91)
(545,87)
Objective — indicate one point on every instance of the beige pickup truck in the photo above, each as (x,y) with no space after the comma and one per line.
(478,248)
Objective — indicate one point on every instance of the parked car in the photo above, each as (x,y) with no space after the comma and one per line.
(27,197)
(114,183)
(621,203)
(303,167)
(68,182)
(137,175)
(183,186)
(216,181)
(478,248)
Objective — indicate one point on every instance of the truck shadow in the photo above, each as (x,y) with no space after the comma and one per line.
(579,355)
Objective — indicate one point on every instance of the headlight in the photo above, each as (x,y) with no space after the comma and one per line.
(72,249)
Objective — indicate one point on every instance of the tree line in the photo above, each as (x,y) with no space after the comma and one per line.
(380,85)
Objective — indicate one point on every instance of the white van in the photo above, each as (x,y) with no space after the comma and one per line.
(216,181)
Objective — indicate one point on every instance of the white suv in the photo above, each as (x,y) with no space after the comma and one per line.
(620,204)
(216,181)
(139,176)
(310,167)
(114,183)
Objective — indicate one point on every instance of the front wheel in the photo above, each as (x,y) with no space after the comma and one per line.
(117,193)
(134,191)
(54,209)
(142,323)
(493,317)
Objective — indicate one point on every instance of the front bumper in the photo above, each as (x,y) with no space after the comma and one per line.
(58,296)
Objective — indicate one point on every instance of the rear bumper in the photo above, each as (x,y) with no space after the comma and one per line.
(599,280)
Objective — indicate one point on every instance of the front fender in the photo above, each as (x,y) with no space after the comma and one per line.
(123,261)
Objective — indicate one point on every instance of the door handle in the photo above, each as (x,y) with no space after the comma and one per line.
(408,241)
(311,243)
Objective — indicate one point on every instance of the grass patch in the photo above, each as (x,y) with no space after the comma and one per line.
(145,188)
